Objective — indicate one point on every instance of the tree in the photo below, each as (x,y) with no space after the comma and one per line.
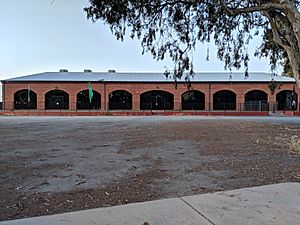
(174,27)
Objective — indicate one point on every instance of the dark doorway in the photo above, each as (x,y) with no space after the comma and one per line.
(157,100)
(25,99)
(120,100)
(256,100)
(57,99)
(193,100)
(224,100)
(286,100)
(83,100)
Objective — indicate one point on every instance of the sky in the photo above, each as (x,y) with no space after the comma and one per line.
(48,35)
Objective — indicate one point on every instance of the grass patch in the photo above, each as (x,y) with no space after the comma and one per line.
(295,144)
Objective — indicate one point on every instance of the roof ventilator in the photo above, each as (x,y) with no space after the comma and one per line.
(63,70)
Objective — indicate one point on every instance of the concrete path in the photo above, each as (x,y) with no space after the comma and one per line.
(272,204)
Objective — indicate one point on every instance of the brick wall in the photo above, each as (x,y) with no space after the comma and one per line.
(136,89)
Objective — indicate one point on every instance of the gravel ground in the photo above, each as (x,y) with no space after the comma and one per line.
(58,164)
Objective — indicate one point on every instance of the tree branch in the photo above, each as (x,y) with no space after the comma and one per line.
(276,37)
(258,8)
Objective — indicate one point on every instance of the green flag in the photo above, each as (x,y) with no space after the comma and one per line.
(90,92)
(28,97)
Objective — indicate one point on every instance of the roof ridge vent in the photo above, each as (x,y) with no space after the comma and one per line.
(63,71)
(112,71)
(87,70)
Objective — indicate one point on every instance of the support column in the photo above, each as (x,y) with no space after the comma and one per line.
(272,101)
(177,101)
(72,101)
(136,101)
(208,99)
(102,91)
(104,98)
(41,101)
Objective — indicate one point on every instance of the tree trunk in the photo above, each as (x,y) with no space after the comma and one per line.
(286,34)
(294,57)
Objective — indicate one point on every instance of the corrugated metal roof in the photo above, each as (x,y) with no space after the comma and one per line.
(149,77)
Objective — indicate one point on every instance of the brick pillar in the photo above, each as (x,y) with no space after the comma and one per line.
(72,101)
(136,101)
(240,98)
(272,97)
(207,102)
(8,98)
(272,101)
(103,101)
(177,101)
(41,101)
(104,98)
(208,99)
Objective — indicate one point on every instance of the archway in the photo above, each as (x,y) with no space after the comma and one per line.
(83,100)
(120,100)
(156,100)
(224,100)
(193,100)
(25,99)
(57,99)
(256,100)
(286,100)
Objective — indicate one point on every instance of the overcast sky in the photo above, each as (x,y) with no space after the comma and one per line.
(47,35)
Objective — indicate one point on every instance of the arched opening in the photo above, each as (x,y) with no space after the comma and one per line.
(25,99)
(256,100)
(83,100)
(157,100)
(286,100)
(193,100)
(224,100)
(57,99)
(120,100)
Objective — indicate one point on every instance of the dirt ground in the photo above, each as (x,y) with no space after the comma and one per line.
(54,164)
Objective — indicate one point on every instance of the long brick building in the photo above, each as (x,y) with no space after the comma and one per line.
(90,93)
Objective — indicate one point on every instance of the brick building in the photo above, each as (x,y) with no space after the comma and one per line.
(143,93)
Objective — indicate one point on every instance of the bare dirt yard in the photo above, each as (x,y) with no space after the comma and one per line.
(57,164)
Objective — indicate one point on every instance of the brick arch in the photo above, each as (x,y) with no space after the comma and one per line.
(56,99)
(160,89)
(25,89)
(120,99)
(83,100)
(256,100)
(31,90)
(86,89)
(156,100)
(224,99)
(261,95)
(45,91)
(112,89)
(284,90)
(25,99)
(286,100)
(226,89)
(193,100)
